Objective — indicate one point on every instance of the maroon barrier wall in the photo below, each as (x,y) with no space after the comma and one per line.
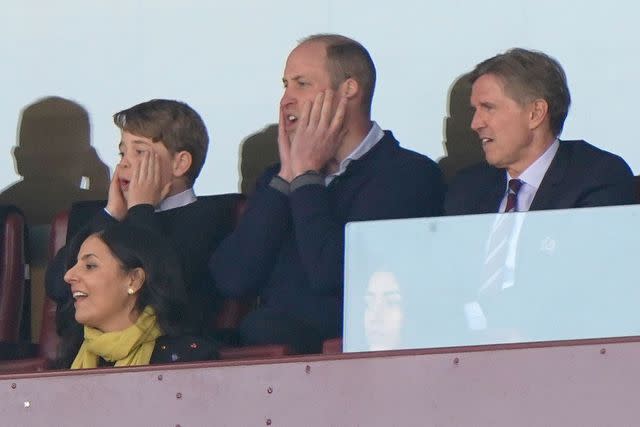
(594,382)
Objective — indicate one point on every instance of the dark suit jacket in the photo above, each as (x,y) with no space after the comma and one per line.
(580,175)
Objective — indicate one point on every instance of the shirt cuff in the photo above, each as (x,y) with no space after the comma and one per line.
(108,213)
(307,178)
(280,185)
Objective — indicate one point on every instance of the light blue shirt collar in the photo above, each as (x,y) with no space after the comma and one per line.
(177,200)
(373,137)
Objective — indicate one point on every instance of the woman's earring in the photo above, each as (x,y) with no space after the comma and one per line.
(130,291)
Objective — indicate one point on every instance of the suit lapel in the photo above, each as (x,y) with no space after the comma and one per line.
(548,191)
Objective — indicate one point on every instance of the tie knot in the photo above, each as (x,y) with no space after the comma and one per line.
(512,195)
(514,185)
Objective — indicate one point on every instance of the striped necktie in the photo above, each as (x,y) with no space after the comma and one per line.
(512,196)
(498,273)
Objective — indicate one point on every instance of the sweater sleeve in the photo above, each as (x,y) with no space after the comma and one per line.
(244,260)
(143,216)
(414,189)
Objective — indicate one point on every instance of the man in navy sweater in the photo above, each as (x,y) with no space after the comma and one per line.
(336,166)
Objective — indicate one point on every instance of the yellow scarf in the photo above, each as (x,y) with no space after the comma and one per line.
(130,347)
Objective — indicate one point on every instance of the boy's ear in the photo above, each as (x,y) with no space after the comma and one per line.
(181,163)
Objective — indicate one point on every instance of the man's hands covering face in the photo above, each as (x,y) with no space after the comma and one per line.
(318,136)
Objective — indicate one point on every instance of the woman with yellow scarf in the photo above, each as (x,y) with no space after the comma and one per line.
(130,298)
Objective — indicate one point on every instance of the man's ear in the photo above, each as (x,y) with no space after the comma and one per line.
(181,163)
(349,88)
(137,276)
(538,113)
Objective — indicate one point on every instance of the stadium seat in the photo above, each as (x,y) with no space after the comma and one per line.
(332,346)
(12,272)
(64,225)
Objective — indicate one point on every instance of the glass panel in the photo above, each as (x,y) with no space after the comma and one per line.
(496,278)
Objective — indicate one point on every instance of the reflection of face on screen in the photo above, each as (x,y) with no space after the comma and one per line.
(384,314)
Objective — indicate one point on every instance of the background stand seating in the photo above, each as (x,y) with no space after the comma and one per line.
(332,346)
(12,272)
(45,352)
(231,312)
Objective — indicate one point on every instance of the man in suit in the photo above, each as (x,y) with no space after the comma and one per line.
(336,165)
(521,100)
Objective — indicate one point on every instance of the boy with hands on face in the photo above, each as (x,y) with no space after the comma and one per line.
(144,188)
(151,170)
(162,148)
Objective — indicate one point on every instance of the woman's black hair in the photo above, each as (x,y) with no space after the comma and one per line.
(163,287)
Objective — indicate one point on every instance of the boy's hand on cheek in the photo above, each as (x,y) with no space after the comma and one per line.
(116,204)
(146,185)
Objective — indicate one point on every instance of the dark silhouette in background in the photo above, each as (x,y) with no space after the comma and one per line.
(56,160)
(257,152)
(462,146)
(58,166)
(461,142)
